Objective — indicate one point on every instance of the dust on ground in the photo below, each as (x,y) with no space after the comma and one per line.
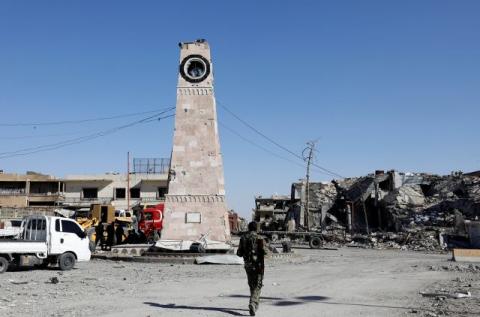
(345,282)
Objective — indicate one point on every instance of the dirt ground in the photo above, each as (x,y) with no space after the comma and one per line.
(346,282)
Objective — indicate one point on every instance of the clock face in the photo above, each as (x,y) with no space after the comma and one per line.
(194,68)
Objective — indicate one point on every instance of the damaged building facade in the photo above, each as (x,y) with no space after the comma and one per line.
(394,207)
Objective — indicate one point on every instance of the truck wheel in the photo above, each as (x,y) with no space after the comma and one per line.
(315,242)
(66,261)
(3,265)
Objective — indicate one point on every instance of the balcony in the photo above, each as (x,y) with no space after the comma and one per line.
(86,201)
(12,192)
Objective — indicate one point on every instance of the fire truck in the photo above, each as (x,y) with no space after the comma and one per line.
(151,221)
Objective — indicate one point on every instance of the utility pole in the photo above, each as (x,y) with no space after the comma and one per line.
(128,180)
(310,148)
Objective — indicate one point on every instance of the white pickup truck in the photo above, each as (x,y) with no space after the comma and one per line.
(46,240)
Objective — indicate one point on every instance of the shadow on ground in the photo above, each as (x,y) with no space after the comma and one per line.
(301,300)
(229,311)
(284,302)
(278,301)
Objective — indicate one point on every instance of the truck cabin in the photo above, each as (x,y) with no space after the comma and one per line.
(34,228)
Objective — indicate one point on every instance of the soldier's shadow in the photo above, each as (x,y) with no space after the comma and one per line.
(230,311)
(278,301)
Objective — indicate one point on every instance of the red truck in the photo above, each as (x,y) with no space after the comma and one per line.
(151,221)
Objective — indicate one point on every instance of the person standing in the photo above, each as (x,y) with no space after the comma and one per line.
(253,250)
(110,236)
(99,236)
(119,233)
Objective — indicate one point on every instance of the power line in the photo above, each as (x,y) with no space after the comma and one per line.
(22,137)
(259,146)
(258,132)
(26,124)
(265,149)
(54,146)
(325,170)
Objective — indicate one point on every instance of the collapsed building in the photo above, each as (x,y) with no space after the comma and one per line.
(386,209)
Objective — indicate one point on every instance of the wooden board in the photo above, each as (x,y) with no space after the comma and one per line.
(466,255)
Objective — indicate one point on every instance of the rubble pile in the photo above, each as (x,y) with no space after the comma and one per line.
(397,210)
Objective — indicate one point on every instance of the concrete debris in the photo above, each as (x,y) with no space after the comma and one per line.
(446,295)
(410,195)
(18,282)
(407,211)
(54,280)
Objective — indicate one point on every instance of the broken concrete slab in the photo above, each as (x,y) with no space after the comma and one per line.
(406,195)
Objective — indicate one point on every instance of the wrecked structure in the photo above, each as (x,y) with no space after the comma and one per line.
(392,209)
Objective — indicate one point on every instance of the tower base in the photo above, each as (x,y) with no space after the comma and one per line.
(190,217)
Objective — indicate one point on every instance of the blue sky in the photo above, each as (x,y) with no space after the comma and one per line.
(381,84)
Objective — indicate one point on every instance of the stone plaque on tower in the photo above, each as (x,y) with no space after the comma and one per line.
(195,203)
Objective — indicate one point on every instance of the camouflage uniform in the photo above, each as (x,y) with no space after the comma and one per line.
(253,250)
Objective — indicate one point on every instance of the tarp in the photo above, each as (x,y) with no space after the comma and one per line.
(227,259)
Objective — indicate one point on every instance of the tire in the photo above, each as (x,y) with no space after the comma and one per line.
(3,265)
(45,264)
(66,261)
(197,248)
(315,242)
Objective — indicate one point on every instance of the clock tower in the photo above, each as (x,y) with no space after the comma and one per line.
(195,203)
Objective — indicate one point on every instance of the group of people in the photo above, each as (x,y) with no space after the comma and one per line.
(115,234)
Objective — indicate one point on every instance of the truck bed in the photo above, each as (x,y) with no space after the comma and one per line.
(10,232)
(22,246)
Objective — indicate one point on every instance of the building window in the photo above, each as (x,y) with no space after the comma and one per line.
(120,193)
(161,192)
(90,192)
(135,193)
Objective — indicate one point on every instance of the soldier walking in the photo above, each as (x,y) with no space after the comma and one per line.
(253,250)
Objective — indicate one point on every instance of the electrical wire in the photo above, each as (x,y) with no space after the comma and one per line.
(54,146)
(26,124)
(325,170)
(258,145)
(23,137)
(265,149)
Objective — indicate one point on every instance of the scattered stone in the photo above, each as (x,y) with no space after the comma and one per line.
(54,280)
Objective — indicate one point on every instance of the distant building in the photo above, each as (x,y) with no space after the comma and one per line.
(83,190)
(30,190)
(146,185)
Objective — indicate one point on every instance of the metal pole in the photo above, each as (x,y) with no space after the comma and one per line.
(311,146)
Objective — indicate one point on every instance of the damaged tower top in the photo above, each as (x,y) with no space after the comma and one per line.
(195,204)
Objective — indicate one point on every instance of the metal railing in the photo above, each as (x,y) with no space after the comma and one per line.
(12,191)
(75,200)
(151,165)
